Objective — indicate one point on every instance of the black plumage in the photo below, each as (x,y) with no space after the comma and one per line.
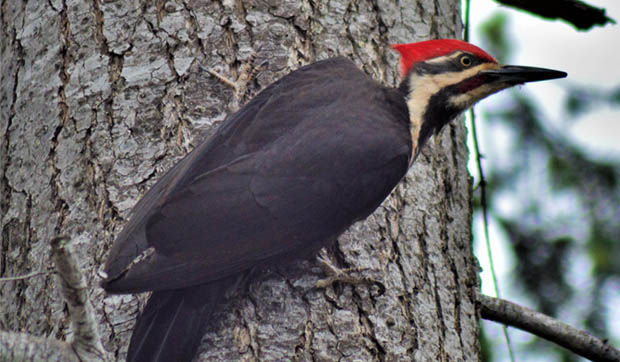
(311,154)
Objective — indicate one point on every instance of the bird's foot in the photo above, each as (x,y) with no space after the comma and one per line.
(246,73)
(335,274)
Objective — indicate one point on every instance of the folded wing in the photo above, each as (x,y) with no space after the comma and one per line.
(292,169)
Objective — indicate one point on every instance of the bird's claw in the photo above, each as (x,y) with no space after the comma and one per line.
(335,274)
(246,73)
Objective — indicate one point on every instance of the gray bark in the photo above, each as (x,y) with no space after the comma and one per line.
(98,99)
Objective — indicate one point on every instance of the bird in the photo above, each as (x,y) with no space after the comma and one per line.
(283,177)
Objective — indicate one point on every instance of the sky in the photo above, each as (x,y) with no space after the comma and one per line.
(591,59)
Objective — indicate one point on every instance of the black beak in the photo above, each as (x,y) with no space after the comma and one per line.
(516,74)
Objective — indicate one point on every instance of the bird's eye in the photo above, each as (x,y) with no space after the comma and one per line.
(465,61)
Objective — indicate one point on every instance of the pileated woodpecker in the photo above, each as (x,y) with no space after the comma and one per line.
(311,154)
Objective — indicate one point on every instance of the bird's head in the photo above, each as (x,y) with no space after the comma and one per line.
(442,78)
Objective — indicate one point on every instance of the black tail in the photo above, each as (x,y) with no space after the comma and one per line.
(172,324)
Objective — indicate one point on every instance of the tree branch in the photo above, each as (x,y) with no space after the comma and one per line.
(86,340)
(551,329)
(26,276)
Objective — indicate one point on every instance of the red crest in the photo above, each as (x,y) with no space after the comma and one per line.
(418,52)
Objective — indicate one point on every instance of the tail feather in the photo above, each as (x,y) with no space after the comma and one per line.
(172,324)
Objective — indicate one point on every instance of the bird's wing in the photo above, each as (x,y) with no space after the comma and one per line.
(257,123)
(320,168)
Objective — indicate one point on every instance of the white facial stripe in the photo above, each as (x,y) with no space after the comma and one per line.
(445,58)
(468,99)
(423,87)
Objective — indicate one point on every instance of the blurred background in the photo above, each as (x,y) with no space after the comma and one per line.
(551,159)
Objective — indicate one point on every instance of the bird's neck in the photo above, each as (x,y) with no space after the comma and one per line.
(428,108)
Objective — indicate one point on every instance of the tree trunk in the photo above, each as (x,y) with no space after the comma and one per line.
(100,98)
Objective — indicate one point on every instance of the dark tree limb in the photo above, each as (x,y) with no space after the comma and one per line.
(579,14)
(551,329)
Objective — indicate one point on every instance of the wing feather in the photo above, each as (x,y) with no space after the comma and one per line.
(293,168)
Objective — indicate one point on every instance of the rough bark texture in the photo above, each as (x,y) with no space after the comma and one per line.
(99,98)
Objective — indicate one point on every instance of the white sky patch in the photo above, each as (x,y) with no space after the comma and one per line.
(599,131)
(611,292)
(503,260)
(591,58)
